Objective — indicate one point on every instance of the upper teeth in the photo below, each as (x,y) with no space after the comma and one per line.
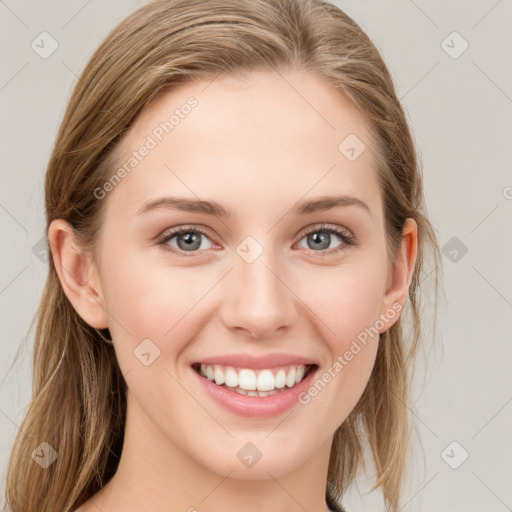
(252,380)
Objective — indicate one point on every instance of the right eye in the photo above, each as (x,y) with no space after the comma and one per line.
(187,240)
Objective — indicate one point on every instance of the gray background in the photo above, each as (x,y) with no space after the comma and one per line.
(460,112)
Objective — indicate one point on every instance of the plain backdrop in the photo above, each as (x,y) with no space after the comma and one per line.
(451,64)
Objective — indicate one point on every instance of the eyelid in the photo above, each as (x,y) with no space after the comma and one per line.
(183,228)
(328,227)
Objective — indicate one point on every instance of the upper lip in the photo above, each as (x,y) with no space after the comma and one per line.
(256,362)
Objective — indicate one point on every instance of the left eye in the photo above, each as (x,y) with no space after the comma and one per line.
(321,237)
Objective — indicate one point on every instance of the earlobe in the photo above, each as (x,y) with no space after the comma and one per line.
(77,274)
(401,273)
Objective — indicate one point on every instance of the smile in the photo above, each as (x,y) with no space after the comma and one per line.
(257,387)
(255,383)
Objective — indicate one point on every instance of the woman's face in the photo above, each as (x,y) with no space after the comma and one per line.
(258,288)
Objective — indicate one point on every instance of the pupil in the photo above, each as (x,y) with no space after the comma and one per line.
(322,238)
(189,240)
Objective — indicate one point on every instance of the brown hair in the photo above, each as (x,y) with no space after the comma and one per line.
(79,394)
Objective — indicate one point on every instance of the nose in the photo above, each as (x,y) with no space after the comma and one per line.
(258,300)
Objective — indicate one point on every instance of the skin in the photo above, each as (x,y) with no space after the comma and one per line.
(257,146)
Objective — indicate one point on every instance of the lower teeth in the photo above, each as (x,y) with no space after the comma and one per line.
(262,394)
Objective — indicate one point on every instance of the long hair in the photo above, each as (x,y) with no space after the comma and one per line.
(78,403)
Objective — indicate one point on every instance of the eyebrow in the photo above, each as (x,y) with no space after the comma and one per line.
(327,203)
(213,208)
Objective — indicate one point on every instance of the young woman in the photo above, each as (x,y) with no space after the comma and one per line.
(237,224)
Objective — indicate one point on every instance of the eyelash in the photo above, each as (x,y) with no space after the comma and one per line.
(344,236)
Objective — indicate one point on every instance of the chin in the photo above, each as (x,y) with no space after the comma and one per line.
(257,457)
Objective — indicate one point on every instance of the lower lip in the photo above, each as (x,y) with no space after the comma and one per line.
(256,406)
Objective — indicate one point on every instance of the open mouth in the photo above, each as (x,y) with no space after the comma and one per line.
(256,383)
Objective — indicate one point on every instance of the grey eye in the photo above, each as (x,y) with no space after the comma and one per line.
(188,241)
(319,240)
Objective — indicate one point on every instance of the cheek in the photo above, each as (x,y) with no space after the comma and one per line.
(346,300)
(347,303)
(151,301)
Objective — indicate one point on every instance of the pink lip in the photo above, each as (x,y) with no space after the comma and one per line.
(257,362)
(253,406)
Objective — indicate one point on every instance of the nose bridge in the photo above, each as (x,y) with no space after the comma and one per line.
(258,299)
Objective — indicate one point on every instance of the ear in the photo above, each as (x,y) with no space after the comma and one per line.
(400,275)
(78,274)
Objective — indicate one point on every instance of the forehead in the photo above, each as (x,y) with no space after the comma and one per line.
(285,132)
(266,99)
